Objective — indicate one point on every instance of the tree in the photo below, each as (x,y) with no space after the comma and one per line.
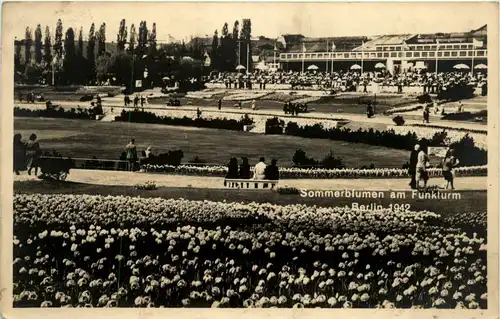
(28,41)
(58,45)
(133,38)
(236,31)
(69,45)
(246,47)
(143,38)
(79,51)
(47,47)
(152,40)
(17,55)
(226,50)
(91,52)
(101,40)
(69,64)
(215,50)
(38,44)
(121,38)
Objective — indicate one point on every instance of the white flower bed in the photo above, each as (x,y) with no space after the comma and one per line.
(313,173)
(121,251)
(247,96)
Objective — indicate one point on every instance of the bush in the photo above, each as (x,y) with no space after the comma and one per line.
(288,190)
(173,158)
(246,120)
(468,153)
(300,159)
(465,116)
(332,162)
(137,116)
(275,126)
(424,98)
(398,120)
(87,98)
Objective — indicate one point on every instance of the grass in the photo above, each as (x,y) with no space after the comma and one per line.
(471,201)
(85,138)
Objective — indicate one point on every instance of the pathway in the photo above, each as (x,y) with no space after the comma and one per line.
(381,119)
(166,180)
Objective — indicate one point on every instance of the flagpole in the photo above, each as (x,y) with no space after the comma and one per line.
(327,55)
(437,49)
(303,56)
(332,56)
(473,54)
(362,56)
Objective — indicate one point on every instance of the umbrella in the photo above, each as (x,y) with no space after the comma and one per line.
(356,67)
(261,67)
(461,66)
(420,67)
(379,65)
(481,67)
(240,67)
(312,67)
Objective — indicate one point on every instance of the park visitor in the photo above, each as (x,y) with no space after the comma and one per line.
(259,170)
(232,168)
(131,152)
(19,154)
(449,163)
(412,170)
(244,172)
(421,168)
(32,154)
(272,171)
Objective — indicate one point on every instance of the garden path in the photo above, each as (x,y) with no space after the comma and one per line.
(101,177)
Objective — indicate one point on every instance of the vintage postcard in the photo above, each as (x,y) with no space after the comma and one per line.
(323,159)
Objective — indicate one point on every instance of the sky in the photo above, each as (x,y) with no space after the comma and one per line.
(182,20)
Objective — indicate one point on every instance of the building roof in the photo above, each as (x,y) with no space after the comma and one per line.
(325,44)
(390,39)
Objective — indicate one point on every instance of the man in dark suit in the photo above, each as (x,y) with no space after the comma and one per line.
(412,170)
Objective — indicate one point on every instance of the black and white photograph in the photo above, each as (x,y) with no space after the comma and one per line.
(250,155)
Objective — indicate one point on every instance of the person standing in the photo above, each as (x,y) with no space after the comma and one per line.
(148,152)
(259,170)
(32,154)
(412,170)
(131,152)
(19,154)
(220,104)
(421,169)
(253,105)
(449,163)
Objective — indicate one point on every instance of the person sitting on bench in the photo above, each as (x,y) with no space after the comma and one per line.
(232,168)
(259,171)
(272,171)
(244,169)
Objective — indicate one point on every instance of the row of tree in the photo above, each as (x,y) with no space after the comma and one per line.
(232,49)
(135,55)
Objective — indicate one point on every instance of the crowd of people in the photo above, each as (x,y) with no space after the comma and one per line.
(419,163)
(262,171)
(142,99)
(26,154)
(430,81)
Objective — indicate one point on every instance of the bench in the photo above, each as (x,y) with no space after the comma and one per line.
(250,183)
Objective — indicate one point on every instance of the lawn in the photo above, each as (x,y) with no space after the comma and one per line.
(471,201)
(85,138)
